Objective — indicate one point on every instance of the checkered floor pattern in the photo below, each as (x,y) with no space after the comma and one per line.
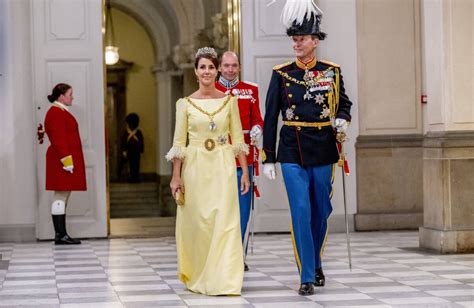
(389,270)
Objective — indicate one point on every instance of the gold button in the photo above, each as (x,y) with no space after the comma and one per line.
(290,95)
(293,106)
(298,128)
(287,84)
(297,118)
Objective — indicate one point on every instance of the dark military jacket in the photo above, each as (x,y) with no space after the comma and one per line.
(319,97)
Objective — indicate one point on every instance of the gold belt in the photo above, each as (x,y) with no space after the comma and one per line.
(307,124)
(210,143)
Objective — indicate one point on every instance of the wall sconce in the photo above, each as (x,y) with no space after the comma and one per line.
(111,51)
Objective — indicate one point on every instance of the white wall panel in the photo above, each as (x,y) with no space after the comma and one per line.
(389,66)
(67,39)
(66,12)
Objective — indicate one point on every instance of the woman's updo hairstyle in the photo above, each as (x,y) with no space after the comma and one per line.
(208,53)
(58,90)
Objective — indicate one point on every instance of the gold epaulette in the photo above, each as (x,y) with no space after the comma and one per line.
(277,67)
(329,63)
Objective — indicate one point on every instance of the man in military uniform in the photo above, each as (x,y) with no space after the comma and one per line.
(251,120)
(309,94)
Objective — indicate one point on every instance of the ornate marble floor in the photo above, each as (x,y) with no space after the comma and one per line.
(388,271)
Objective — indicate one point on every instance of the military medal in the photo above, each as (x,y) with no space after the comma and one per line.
(309,80)
(289,114)
(325,113)
(319,99)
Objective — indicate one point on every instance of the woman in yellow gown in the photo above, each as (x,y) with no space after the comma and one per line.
(208,240)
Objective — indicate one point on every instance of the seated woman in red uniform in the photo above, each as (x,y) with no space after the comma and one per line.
(65,171)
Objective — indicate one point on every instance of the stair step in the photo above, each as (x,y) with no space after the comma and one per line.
(133,207)
(133,197)
(134,201)
(133,187)
(125,194)
(123,210)
(130,214)
(134,192)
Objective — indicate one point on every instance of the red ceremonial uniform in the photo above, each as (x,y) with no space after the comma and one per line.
(63,133)
(249,111)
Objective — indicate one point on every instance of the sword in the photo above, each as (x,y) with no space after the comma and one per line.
(341,163)
(248,234)
(252,202)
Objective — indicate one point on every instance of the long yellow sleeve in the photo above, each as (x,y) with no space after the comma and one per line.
(236,134)
(180,132)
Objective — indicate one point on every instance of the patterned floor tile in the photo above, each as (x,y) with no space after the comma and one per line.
(388,270)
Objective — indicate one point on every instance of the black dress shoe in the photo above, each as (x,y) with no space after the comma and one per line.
(246,267)
(320,279)
(66,240)
(306,289)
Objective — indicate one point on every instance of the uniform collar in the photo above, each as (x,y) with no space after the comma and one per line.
(61,105)
(306,65)
(228,84)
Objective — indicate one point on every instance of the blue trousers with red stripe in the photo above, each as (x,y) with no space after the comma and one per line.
(309,193)
(245,202)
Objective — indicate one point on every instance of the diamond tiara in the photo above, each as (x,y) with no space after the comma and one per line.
(206,51)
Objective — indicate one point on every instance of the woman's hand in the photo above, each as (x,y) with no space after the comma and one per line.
(176,184)
(244,183)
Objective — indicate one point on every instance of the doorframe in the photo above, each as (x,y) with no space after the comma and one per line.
(163,77)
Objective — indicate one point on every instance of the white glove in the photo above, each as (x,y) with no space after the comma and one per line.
(269,171)
(256,136)
(69,169)
(341,125)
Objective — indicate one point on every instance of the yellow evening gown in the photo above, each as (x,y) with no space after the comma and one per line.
(208,240)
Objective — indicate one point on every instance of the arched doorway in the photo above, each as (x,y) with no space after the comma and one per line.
(175,29)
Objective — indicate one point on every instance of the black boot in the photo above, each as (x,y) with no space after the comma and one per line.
(61,237)
(246,267)
(306,289)
(67,240)
(56,225)
(320,280)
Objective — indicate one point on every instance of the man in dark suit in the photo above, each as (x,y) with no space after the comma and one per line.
(309,94)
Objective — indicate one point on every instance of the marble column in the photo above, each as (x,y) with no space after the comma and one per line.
(448,146)
(163,80)
(389,146)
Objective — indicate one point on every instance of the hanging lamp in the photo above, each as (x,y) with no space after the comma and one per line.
(111,51)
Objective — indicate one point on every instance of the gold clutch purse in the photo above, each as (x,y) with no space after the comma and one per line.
(179,197)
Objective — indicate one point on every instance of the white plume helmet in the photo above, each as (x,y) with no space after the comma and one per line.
(297,10)
(302,17)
